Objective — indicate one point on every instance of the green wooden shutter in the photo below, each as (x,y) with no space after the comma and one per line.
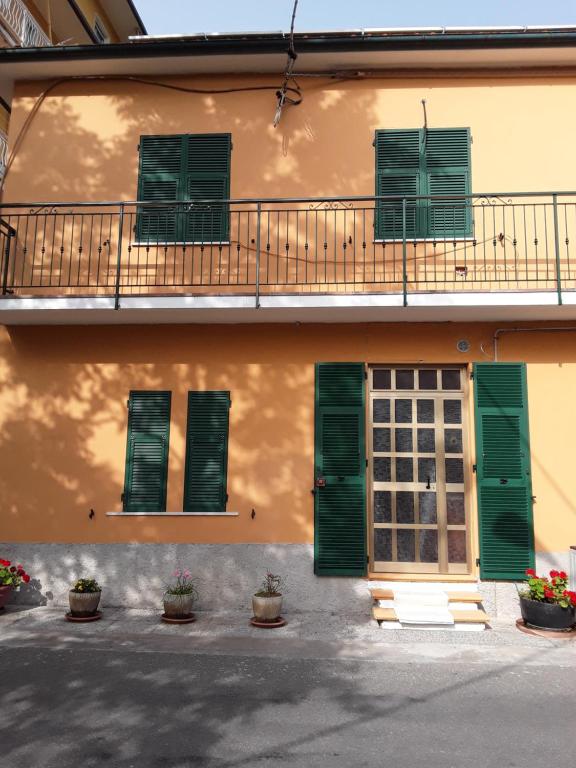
(160,178)
(206,452)
(447,163)
(503,470)
(147,452)
(398,173)
(208,178)
(340,468)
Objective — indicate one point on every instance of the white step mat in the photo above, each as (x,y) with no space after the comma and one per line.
(422,608)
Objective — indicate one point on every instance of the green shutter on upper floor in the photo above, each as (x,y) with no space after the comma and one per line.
(340,470)
(206,464)
(433,161)
(503,470)
(147,452)
(446,155)
(188,168)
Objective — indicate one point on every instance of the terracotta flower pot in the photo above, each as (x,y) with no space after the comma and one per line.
(5,592)
(549,616)
(267,608)
(178,606)
(83,604)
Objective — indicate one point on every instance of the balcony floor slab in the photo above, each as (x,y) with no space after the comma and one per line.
(353,308)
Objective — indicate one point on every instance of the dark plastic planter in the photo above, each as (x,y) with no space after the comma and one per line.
(546,615)
(5,592)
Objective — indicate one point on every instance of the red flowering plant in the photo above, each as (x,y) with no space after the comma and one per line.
(12,575)
(552,589)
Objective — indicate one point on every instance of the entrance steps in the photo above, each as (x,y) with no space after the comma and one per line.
(429,606)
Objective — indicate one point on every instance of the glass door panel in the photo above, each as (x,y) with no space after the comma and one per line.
(417,470)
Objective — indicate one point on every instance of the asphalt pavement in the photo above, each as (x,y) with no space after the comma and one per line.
(93,703)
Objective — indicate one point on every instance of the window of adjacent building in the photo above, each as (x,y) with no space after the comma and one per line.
(191,171)
(100,31)
(432,163)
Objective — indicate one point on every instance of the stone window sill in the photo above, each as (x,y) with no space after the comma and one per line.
(172,514)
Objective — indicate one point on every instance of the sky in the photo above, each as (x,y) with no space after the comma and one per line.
(186,16)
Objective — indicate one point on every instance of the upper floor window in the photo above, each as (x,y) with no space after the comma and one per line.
(193,169)
(100,31)
(431,162)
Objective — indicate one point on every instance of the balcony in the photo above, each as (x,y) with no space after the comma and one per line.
(19,28)
(508,254)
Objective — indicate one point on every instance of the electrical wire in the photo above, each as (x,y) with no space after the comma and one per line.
(282,94)
(123,78)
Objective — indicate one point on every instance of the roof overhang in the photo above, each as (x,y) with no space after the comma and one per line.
(124,17)
(318,52)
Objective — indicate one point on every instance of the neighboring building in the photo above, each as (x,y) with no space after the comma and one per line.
(341,347)
(39,23)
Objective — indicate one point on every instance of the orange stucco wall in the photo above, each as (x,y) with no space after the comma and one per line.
(82,143)
(63,421)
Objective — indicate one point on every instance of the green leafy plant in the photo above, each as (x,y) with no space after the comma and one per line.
(12,575)
(86,586)
(183,584)
(548,589)
(271,586)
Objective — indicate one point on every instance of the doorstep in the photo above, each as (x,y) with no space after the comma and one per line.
(448,578)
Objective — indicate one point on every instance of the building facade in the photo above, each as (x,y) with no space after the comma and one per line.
(39,23)
(341,348)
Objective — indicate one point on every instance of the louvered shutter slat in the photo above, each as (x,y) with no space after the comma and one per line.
(206,451)
(503,470)
(340,505)
(147,452)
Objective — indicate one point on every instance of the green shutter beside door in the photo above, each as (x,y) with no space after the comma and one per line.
(340,470)
(206,452)
(147,452)
(503,470)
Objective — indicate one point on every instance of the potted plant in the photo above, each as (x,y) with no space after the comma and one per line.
(179,598)
(11,576)
(267,602)
(546,602)
(84,598)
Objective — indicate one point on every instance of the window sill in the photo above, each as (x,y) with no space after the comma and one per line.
(172,514)
(431,240)
(181,243)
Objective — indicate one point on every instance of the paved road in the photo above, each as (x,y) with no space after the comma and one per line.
(87,708)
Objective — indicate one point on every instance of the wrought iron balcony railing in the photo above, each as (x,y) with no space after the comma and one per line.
(477,243)
(21,26)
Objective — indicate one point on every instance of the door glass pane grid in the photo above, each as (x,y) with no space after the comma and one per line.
(420,431)
(411,539)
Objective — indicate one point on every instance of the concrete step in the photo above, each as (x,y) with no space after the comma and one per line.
(464,620)
(453,596)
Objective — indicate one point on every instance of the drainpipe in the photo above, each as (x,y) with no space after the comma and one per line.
(501,331)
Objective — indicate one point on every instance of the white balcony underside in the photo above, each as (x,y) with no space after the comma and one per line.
(343,308)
